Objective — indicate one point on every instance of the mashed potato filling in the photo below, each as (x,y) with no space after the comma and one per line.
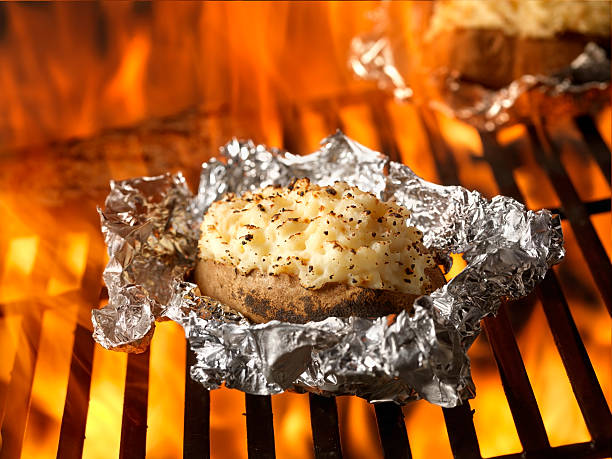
(333,234)
(532,18)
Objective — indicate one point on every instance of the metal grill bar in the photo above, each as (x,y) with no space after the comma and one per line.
(443,157)
(597,146)
(260,427)
(586,450)
(517,387)
(548,157)
(74,420)
(76,406)
(384,125)
(329,110)
(291,128)
(134,421)
(600,206)
(16,402)
(459,420)
(576,360)
(392,431)
(196,439)
(571,348)
(535,438)
(523,405)
(19,390)
(324,424)
(394,439)
(461,431)
(521,399)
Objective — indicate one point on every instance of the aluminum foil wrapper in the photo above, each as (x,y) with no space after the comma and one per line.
(583,87)
(150,225)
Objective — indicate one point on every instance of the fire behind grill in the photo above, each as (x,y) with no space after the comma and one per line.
(538,137)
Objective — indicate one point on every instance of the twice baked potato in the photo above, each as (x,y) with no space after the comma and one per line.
(494,42)
(307,252)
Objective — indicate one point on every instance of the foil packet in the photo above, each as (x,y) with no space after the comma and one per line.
(381,56)
(151,229)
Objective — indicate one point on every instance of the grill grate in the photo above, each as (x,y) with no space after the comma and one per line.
(14,398)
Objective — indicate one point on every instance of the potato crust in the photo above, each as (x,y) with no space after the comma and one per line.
(261,297)
(307,252)
(491,43)
(494,59)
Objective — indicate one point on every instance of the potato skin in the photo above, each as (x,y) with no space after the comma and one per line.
(494,59)
(261,297)
(487,56)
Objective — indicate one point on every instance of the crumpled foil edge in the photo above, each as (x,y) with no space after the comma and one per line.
(151,229)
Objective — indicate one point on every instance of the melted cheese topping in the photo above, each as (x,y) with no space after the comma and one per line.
(526,18)
(319,234)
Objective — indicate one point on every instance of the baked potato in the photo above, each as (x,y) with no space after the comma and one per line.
(494,42)
(305,252)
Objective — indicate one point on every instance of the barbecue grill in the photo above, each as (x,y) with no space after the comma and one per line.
(17,411)
(52,256)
